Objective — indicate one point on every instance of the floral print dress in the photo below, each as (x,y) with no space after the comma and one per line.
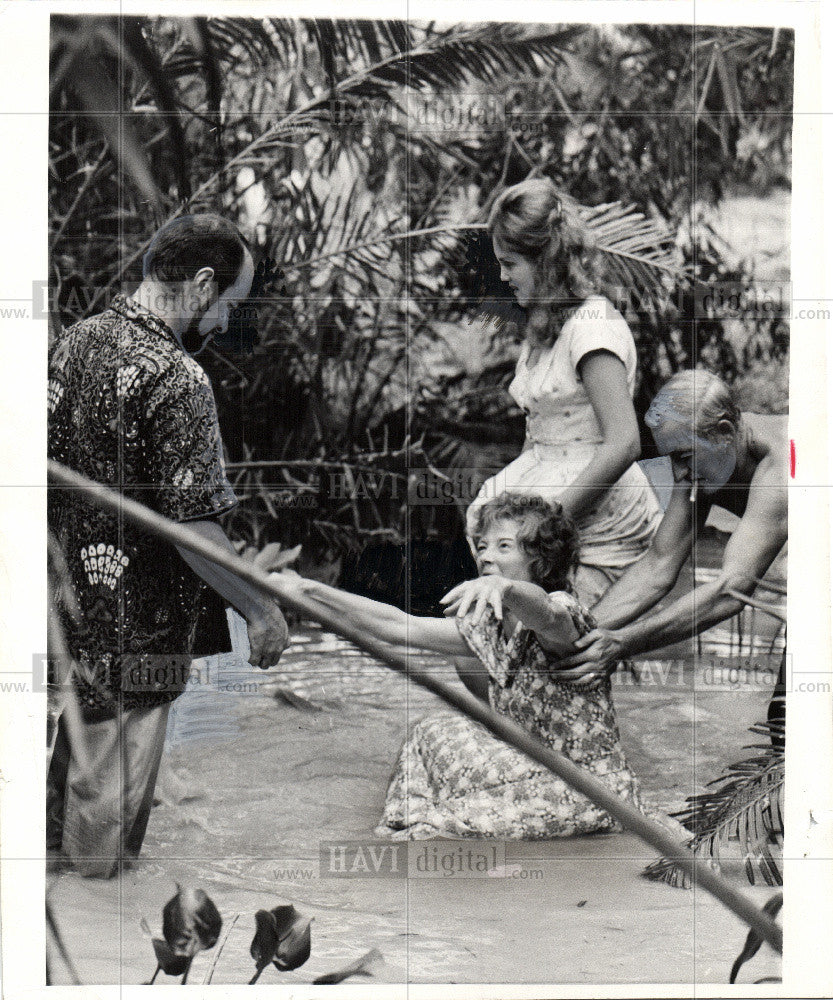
(455,778)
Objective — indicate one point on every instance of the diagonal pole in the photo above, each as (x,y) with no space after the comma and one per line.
(698,870)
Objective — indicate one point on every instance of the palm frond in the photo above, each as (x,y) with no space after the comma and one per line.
(257,37)
(388,52)
(445,60)
(637,251)
(229,38)
(448,59)
(374,244)
(745,808)
(452,58)
(355,41)
(337,233)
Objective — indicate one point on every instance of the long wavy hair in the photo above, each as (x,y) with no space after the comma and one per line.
(545,533)
(539,222)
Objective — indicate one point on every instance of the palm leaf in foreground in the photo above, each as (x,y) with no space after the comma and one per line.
(481,52)
(745,808)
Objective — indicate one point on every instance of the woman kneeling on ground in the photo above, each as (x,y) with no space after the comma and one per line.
(518,619)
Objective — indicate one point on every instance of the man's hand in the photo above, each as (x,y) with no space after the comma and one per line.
(482,592)
(268,637)
(599,652)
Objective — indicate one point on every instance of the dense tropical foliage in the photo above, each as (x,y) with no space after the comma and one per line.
(360,158)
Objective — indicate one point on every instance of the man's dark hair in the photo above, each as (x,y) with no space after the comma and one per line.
(183,246)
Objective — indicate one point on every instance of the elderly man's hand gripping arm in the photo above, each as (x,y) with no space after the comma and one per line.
(268,634)
(640,588)
(750,551)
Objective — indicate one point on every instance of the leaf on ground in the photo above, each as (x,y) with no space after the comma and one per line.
(364,966)
(169,962)
(282,936)
(295,700)
(190,922)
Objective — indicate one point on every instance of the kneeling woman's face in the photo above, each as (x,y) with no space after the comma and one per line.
(500,553)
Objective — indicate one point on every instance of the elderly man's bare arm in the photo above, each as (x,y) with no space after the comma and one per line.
(762,531)
(649,579)
(749,553)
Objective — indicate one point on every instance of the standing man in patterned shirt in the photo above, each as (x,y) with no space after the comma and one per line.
(129,407)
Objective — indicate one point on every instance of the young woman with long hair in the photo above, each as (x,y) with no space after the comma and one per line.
(575,380)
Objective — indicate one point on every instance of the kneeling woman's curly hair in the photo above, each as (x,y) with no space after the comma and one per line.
(545,533)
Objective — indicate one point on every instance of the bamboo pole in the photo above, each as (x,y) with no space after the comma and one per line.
(699,871)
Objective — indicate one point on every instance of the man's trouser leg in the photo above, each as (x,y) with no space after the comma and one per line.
(56,789)
(106,812)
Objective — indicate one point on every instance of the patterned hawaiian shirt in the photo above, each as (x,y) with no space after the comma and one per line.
(130,409)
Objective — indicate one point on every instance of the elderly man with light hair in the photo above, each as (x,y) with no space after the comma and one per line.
(720,456)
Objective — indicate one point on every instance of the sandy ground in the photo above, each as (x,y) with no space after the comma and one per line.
(254,784)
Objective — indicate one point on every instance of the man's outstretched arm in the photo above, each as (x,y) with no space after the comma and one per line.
(646,582)
(749,553)
(268,634)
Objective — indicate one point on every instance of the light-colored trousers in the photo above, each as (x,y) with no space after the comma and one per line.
(98,817)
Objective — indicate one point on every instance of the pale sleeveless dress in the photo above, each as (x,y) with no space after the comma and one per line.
(563,434)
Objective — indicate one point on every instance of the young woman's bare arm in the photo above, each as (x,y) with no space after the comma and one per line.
(605,380)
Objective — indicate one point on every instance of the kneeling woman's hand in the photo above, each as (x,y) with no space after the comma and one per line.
(485,591)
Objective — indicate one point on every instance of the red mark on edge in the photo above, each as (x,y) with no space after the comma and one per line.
(792,459)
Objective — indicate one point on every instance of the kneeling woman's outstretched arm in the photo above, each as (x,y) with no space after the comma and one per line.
(384,621)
